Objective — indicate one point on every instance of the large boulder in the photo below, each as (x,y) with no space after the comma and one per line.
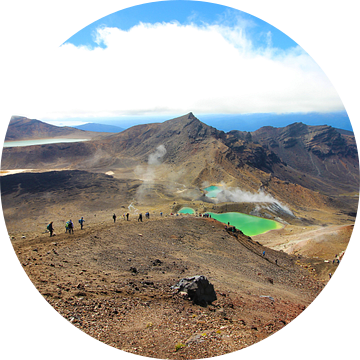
(198,288)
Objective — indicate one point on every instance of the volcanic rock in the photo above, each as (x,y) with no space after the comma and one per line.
(198,288)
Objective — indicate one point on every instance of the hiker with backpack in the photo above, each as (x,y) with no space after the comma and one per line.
(81,222)
(69,226)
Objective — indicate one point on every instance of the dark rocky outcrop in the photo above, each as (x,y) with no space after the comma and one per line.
(198,288)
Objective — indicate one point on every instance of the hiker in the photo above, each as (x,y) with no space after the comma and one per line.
(264,253)
(127,216)
(276,261)
(114,217)
(161,213)
(140,217)
(50,227)
(330,274)
(71,227)
(81,222)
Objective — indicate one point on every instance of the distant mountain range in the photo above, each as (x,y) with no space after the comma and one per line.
(99,128)
(252,122)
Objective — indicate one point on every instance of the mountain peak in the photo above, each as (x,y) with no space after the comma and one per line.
(182,121)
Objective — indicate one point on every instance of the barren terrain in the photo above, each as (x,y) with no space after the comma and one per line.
(114,280)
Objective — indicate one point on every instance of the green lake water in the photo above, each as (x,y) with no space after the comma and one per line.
(212,191)
(248,224)
(186,210)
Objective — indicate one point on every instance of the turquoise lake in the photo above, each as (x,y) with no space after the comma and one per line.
(248,224)
(212,191)
(186,210)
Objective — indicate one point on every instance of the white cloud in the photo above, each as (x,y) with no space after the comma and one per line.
(173,68)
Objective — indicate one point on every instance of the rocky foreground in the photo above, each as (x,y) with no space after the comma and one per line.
(115,281)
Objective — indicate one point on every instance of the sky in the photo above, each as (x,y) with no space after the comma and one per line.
(160,60)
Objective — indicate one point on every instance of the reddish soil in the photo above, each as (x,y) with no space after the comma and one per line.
(113,281)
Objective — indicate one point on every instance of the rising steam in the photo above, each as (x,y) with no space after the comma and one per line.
(238,195)
(147,173)
(241,196)
(156,157)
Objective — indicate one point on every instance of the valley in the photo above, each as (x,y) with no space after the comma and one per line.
(116,277)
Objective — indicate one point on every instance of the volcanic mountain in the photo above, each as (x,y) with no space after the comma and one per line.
(182,138)
(22,128)
(301,174)
(99,128)
(318,158)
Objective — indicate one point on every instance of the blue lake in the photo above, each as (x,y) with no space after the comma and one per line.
(39,142)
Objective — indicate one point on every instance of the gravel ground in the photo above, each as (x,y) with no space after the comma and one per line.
(113,281)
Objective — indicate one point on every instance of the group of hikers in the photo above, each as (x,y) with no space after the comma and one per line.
(140,217)
(69,226)
(125,216)
(206,215)
(147,216)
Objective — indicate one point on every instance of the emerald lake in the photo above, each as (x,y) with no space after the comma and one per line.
(186,210)
(212,191)
(248,224)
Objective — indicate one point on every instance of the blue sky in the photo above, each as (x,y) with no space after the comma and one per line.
(184,12)
(161,60)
